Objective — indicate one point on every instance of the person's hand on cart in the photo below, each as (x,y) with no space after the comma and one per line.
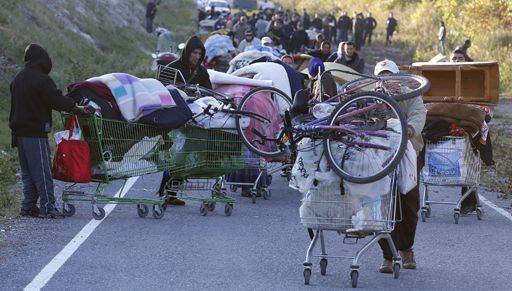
(88,110)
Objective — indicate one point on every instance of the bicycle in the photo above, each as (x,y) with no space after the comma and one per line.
(353,131)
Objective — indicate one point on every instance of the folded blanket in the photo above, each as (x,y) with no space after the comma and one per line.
(218,45)
(136,97)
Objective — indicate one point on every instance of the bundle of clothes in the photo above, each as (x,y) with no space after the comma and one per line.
(455,161)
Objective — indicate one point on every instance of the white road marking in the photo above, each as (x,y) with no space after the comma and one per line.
(58,261)
(495,207)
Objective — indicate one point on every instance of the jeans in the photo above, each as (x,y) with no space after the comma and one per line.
(36,174)
(149,24)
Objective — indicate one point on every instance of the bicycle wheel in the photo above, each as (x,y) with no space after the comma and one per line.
(267,137)
(401,86)
(369,137)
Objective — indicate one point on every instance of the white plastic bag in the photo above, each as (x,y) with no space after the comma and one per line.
(407,170)
(64,135)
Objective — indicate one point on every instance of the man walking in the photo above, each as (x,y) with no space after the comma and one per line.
(442,36)
(369,25)
(391,25)
(344,26)
(150,14)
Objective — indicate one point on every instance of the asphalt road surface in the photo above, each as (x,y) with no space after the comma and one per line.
(260,247)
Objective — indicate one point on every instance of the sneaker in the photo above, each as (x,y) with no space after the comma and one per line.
(51,213)
(32,211)
(386,267)
(408,261)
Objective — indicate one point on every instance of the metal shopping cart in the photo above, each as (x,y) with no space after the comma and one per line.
(120,150)
(200,158)
(353,216)
(452,162)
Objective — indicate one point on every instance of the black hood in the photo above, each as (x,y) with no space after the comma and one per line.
(192,43)
(36,57)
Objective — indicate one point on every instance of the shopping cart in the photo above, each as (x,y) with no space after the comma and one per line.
(451,162)
(354,216)
(201,157)
(120,150)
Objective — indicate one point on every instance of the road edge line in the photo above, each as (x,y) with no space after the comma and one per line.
(495,207)
(58,261)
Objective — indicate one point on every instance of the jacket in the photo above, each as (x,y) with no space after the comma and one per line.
(34,95)
(415,114)
(193,75)
(356,62)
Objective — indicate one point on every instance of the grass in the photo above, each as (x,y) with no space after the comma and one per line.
(120,44)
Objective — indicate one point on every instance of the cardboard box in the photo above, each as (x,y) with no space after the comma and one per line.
(470,82)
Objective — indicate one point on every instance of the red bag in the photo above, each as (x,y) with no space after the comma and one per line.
(71,161)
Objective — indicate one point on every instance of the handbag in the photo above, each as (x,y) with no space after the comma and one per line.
(71,161)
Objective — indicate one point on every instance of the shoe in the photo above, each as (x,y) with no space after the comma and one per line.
(32,211)
(175,201)
(246,193)
(408,261)
(51,213)
(467,209)
(386,267)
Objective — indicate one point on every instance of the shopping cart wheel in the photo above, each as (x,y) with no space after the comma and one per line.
(354,275)
(396,270)
(307,275)
(265,194)
(98,215)
(228,209)
(142,210)
(479,214)
(210,206)
(158,211)
(203,209)
(456,217)
(323,266)
(232,188)
(423,215)
(68,209)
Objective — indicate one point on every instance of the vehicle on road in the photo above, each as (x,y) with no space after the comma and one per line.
(221,6)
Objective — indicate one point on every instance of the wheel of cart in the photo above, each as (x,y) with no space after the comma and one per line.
(451,162)
(356,217)
(200,158)
(119,151)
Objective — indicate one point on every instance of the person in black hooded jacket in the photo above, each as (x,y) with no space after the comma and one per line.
(190,63)
(33,97)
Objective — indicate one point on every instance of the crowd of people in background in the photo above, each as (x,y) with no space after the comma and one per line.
(295,32)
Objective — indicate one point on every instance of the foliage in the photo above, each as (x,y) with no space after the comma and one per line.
(9,194)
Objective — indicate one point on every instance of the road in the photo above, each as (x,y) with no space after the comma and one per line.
(260,247)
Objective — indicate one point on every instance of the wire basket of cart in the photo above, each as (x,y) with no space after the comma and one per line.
(120,150)
(451,161)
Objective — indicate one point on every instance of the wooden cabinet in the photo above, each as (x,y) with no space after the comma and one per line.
(475,82)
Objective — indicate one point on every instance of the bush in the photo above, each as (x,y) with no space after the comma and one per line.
(9,189)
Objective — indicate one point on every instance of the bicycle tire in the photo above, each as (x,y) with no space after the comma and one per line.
(396,139)
(263,146)
(418,85)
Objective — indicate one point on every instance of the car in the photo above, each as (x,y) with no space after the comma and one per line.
(220,5)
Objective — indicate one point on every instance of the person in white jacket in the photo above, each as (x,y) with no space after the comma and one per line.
(405,230)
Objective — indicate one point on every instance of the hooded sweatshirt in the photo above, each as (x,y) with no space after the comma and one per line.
(34,95)
(193,75)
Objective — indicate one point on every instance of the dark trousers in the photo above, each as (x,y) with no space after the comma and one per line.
(389,35)
(36,173)
(405,230)
(368,36)
(149,24)
(343,35)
